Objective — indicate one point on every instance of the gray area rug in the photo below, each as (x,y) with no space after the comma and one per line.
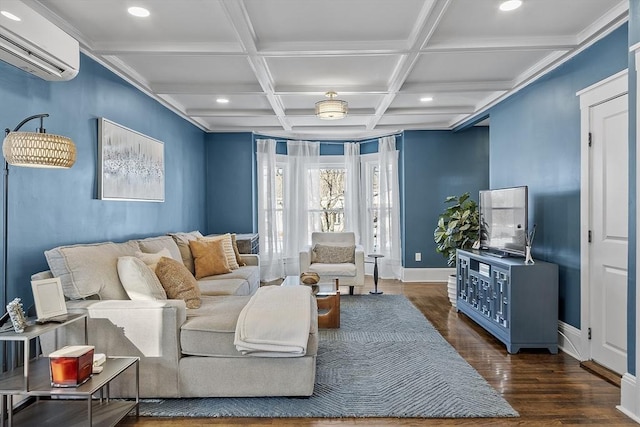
(386,360)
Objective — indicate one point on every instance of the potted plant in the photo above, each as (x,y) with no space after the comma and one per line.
(458,228)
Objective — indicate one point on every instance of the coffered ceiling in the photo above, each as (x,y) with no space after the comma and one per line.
(273,59)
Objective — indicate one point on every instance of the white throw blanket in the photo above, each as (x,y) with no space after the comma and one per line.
(275,322)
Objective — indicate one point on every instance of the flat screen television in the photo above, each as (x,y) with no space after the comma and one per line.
(503,221)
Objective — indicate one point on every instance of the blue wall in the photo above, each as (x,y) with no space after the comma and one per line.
(438,164)
(535,141)
(425,181)
(230,188)
(49,207)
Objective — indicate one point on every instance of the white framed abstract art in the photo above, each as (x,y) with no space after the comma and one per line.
(131,164)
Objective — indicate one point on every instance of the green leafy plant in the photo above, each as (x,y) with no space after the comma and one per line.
(458,226)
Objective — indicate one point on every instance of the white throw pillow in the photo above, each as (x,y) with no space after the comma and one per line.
(140,282)
(151,260)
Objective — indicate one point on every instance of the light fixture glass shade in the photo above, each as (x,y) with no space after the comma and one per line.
(331,109)
(39,150)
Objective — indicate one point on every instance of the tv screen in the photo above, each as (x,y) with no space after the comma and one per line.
(503,220)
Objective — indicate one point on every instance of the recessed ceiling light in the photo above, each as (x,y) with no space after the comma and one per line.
(10,15)
(510,5)
(140,12)
(426,99)
(222,101)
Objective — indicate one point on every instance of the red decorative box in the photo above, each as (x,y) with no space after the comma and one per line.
(71,366)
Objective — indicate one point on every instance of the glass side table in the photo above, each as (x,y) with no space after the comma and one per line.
(375,257)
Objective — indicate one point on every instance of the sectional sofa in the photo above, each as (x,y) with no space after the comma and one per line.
(184,352)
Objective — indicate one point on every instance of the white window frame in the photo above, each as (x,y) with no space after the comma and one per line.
(367,164)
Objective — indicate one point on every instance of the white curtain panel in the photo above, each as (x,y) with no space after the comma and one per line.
(352,195)
(271,259)
(389,214)
(302,174)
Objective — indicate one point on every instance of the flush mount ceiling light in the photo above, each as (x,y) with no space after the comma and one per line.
(38,149)
(510,5)
(426,99)
(222,101)
(331,109)
(140,12)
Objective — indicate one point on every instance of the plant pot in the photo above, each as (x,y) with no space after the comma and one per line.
(452,289)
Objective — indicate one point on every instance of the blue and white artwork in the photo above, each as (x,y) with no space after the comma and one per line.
(132,164)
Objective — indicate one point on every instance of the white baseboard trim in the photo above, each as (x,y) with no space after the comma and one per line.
(629,397)
(569,339)
(426,274)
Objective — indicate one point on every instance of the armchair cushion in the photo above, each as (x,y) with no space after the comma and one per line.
(333,254)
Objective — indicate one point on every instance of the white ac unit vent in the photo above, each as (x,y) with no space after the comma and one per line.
(36,45)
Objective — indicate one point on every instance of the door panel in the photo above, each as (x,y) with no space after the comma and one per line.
(609,229)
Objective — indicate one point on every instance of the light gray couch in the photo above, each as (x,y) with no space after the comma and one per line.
(183,352)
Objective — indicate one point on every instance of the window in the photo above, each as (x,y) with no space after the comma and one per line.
(371,191)
(328,209)
(326,201)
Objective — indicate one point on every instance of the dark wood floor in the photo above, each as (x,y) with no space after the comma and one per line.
(545,389)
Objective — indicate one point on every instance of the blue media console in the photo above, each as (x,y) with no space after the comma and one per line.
(515,302)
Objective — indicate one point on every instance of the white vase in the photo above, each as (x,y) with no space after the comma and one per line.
(452,289)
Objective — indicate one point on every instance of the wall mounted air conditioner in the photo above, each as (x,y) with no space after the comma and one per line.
(36,45)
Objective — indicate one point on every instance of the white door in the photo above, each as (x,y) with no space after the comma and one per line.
(609,234)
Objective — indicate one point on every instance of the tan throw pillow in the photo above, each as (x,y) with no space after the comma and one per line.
(151,260)
(178,282)
(236,252)
(209,258)
(334,254)
(227,246)
(138,280)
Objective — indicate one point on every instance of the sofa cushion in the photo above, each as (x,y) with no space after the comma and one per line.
(210,330)
(209,258)
(333,254)
(154,245)
(213,286)
(138,280)
(182,240)
(178,282)
(250,273)
(91,269)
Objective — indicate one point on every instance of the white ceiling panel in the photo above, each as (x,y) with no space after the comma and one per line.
(194,69)
(274,59)
(473,66)
(332,72)
(469,19)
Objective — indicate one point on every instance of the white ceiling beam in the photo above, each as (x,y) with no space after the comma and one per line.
(209,112)
(239,19)
(206,89)
(456,87)
(463,109)
(617,14)
(167,48)
(427,23)
(497,44)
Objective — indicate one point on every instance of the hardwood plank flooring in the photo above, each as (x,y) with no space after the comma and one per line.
(545,389)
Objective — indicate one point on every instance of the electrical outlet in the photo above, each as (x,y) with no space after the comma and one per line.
(418,256)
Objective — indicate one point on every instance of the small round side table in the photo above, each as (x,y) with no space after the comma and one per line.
(375,273)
